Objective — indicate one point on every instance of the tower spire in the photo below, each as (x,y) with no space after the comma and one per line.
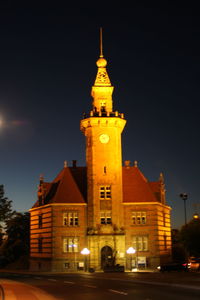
(101,43)
(102,78)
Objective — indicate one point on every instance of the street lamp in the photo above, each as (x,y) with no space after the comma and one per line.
(184,197)
(131,251)
(195,216)
(85,252)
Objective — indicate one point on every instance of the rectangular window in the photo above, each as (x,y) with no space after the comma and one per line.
(103,103)
(165,241)
(70,219)
(164,219)
(140,243)
(105,192)
(138,218)
(106,217)
(70,244)
(40,221)
(40,245)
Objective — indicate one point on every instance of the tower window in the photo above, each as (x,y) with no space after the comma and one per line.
(140,243)
(138,218)
(70,244)
(106,217)
(103,106)
(105,192)
(70,219)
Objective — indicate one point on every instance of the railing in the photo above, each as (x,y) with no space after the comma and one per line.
(103,114)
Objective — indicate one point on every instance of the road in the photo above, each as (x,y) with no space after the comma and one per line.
(98,286)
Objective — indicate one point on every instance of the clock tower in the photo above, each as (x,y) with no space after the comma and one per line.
(106,207)
(102,128)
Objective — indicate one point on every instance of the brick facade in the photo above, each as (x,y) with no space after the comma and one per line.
(105,207)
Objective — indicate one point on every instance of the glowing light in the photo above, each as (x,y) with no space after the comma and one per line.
(85,251)
(130,250)
(196,216)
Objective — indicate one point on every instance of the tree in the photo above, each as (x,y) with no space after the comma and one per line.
(6,211)
(178,250)
(190,237)
(17,243)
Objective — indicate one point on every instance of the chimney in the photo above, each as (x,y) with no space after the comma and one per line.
(127,163)
(74,163)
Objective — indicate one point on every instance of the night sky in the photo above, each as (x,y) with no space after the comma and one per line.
(47,68)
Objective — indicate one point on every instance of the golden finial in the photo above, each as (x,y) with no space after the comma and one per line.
(65,164)
(135,163)
(161,178)
(101,43)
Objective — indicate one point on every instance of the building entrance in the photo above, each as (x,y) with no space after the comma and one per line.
(107,258)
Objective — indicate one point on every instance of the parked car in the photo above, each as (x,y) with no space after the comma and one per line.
(173,266)
(194,264)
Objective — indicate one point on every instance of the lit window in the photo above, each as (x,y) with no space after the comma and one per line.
(140,243)
(70,219)
(106,217)
(138,218)
(105,192)
(70,244)
(143,217)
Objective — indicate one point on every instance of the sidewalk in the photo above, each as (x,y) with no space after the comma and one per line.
(12,290)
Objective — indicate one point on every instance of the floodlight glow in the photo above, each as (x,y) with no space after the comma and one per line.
(130,250)
(85,251)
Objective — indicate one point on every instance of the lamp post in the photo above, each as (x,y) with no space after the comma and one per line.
(131,251)
(85,252)
(184,197)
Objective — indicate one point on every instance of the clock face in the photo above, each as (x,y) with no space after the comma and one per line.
(104,138)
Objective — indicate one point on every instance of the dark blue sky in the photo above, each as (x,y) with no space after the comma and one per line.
(48,65)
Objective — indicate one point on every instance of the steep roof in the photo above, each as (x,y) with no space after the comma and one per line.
(136,187)
(68,187)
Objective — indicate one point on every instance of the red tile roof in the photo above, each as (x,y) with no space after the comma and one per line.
(136,187)
(67,187)
(70,186)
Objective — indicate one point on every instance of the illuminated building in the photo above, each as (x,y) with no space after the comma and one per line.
(105,207)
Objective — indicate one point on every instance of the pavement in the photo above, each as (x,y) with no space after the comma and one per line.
(13,290)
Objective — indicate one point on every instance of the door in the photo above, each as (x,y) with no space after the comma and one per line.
(107,258)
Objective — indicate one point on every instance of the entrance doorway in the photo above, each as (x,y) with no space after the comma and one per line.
(107,258)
